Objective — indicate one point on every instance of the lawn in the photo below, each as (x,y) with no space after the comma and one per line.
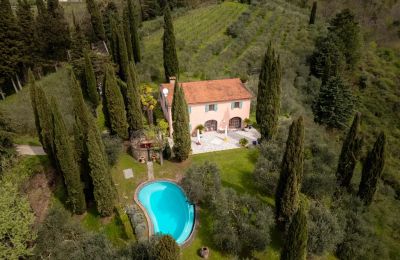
(236,168)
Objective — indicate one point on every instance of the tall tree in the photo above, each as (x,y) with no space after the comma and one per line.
(313,13)
(295,246)
(132,101)
(327,61)
(133,29)
(78,40)
(110,12)
(121,51)
(26,25)
(180,123)
(57,37)
(90,80)
(289,184)
(10,44)
(334,104)
(171,64)
(345,26)
(43,117)
(127,35)
(351,150)
(372,170)
(92,152)
(96,19)
(103,189)
(269,94)
(114,104)
(64,152)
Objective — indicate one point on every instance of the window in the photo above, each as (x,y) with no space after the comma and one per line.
(236,104)
(211,107)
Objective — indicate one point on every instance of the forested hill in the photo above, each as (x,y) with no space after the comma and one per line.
(230,39)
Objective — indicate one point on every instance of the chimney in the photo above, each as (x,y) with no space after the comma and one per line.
(172,80)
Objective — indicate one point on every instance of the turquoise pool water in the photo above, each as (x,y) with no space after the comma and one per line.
(168,208)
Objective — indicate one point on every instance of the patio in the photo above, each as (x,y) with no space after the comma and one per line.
(216,141)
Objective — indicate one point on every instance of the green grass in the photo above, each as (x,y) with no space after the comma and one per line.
(236,168)
(112,228)
(27,139)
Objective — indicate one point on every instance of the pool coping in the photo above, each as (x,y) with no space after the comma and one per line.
(150,226)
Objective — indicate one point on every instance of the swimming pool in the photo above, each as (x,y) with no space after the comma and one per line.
(168,209)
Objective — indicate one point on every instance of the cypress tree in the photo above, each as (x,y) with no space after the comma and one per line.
(180,123)
(133,29)
(69,167)
(43,117)
(56,32)
(92,152)
(114,104)
(372,170)
(171,64)
(102,183)
(90,79)
(132,97)
(295,247)
(127,36)
(123,59)
(26,24)
(109,13)
(350,153)
(10,43)
(313,13)
(269,94)
(334,104)
(289,184)
(78,40)
(96,19)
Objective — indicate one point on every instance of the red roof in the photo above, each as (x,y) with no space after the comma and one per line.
(208,91)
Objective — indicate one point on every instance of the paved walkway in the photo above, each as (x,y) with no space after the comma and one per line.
(30,150)
(150,171)
(213,141)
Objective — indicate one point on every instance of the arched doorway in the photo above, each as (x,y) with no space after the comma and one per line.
(235,122)
(211,125)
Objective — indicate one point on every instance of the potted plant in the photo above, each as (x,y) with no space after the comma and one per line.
(247,123)
(200,128)
(243,142)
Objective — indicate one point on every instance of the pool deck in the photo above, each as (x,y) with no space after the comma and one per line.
(150,227)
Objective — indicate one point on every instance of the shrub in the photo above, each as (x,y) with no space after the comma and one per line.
(243,142)
(241,223)
(324,231)
(202,183)
(166,248)
(266,172)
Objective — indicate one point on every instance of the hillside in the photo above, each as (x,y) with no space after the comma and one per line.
(229,40)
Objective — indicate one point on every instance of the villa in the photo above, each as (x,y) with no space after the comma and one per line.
(216,104)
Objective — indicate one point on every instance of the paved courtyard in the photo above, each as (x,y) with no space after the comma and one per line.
(214,141)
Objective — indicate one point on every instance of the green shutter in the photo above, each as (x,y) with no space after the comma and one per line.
(207,108)
(232,105)
(190,109)
(241,104)
(216,107)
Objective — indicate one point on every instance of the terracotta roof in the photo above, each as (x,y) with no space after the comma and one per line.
(210,91)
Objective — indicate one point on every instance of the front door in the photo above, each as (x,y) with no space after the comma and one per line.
(235,122)
(211,125)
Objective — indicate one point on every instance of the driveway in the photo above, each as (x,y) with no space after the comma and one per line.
(214,141)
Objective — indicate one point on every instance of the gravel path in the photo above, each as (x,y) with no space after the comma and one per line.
(30,150)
